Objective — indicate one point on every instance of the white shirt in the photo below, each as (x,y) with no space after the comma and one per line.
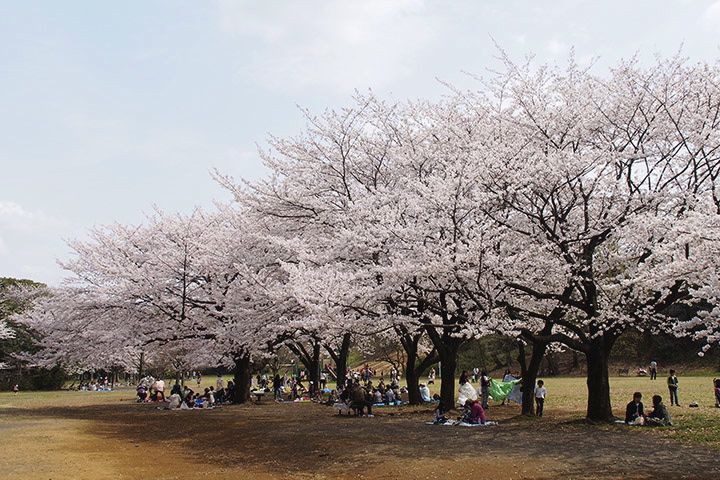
(160,385)
(540,392)
(175,401)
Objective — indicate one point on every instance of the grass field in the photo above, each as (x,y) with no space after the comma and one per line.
(97,435)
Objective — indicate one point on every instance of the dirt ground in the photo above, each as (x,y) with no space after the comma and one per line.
(117,439)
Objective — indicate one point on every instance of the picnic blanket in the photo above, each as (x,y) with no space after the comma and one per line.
(396,403)
(455,423)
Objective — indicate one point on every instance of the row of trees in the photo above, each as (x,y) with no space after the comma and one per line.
(556,206)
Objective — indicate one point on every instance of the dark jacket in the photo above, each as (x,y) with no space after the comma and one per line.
(633,411)
(660,415)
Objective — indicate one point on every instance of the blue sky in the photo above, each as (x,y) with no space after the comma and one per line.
(109,108)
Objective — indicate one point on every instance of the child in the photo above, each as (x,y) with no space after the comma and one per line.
(440,411)
(540,392)
(672,382)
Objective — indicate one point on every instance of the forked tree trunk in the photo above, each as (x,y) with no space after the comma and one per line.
(413,367)
(311,362)
(340,358)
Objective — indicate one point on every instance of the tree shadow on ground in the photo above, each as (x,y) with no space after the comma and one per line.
(309,438)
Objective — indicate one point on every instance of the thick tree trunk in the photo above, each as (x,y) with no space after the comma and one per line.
(412,377)
(529,372)
(242,378)
(313,367)
(340,358)
(599,408)
(448,368)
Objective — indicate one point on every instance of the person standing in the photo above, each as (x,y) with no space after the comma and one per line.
(219,383)
(16,389)
(672,382)
(540,393)
(323,380)
(653,369)
(484,389)
(431,376)
(716,389)
(160,388)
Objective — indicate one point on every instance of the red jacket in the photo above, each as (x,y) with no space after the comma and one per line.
(477,414)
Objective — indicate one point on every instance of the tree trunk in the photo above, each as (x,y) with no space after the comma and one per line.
(448,367)
(314,370)
(141,367)
(311,362)
(529,374)
(340,358)
(412,377)
(242,378)
(599,408)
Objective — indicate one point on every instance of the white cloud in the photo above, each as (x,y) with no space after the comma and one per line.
(711,16)
(556,47)
(14,216)
(337,45)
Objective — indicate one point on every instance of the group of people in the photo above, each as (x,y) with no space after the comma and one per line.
(472,413)
(359,397)
(183,397)
(635,412)
(95,386)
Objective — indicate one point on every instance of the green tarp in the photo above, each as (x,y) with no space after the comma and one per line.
(499,391)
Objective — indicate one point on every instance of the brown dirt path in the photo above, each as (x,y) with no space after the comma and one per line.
(309,441)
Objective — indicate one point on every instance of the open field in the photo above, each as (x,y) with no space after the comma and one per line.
(92,435)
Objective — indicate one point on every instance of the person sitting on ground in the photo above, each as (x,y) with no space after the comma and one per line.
(659,417)
(440,411)
(174,401)
(332,398)
(390,396)
(359,402)
(466,411)
(176,389)
(220,396)
(141,393)
(425,393)
(189,401)
(477,414)
(634,412)
(378,396)
(230,391)
(210,397)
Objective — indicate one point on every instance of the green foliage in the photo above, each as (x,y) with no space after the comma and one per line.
(25,340)
(489,353)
